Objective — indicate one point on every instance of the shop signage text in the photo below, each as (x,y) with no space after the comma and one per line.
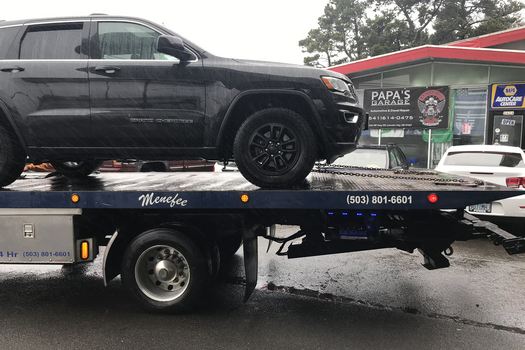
(408,108)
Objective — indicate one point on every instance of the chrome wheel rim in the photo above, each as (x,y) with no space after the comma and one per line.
(162,273)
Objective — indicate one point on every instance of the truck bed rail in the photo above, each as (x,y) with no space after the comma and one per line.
(323,189)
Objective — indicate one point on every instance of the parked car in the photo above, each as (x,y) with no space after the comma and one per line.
(374,156)
(77,91)
(502,165)
(156,166)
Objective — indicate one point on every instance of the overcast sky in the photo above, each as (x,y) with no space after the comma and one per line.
(255,29)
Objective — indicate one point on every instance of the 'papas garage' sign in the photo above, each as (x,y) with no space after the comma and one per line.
(407,108)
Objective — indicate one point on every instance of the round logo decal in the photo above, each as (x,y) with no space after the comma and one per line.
(510,90)
(431,103)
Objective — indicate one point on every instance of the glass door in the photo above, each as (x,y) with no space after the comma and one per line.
(507,130)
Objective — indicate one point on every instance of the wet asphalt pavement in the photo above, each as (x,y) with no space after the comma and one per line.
(378,299)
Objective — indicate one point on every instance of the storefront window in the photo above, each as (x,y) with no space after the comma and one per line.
(469,108)
(459,74)
(368,82)
(413,76)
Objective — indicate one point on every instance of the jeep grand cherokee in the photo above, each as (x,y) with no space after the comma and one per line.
(78,91)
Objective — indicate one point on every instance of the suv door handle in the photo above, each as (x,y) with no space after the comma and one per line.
(12,69)
(107,69)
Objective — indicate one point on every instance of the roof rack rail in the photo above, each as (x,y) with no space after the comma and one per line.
(98,14)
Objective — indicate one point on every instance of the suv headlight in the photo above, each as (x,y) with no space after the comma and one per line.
(335,84)
(339,85)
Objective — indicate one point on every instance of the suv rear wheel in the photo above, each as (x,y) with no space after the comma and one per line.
(275,147)
(76,169)
(12,158)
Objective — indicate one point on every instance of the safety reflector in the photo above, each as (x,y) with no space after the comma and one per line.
(75,198)
(84,250)
(433,198)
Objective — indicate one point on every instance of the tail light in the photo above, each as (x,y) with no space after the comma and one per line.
(432,198)
(515,182)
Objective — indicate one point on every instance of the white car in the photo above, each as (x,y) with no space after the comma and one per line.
(502,165)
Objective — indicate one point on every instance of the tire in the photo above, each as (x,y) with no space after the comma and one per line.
(153,167)
(12,158)
(228,246)
(76,169)
(275,148)
(149,281)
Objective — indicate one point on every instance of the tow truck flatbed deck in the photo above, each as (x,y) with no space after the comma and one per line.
(344,189)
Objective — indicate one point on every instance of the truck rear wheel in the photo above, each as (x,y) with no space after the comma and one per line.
(76,169)
(164,270)
(275,147)
(12,158)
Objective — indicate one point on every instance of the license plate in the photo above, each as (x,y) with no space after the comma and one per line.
(481,208)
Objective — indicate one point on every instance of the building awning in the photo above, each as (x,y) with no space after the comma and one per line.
(492,39)
(480,49)
(430,52)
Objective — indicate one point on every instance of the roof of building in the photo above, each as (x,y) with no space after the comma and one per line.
(493,39)
(476,49)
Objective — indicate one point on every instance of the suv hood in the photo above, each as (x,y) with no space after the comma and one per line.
(294,69)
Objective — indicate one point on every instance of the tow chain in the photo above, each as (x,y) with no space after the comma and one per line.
(397,174)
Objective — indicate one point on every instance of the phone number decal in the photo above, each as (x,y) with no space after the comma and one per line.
(44,254)
(367,200)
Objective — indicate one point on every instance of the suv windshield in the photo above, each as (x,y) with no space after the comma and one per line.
(372,158)
(488,159)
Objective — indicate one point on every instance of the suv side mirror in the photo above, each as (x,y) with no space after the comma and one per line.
(174,46)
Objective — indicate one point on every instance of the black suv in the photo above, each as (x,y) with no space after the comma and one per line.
(77,91)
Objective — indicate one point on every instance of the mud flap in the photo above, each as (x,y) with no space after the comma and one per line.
(110,266)
(250,260)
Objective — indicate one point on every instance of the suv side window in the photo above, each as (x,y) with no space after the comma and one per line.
(7,36)
(52,41)
(128,41)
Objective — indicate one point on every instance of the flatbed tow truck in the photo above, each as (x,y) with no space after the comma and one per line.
(166,234)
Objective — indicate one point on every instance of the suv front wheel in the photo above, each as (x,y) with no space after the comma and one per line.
(275,148)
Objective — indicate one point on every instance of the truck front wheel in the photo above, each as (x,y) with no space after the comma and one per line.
(275,147)
(164,270)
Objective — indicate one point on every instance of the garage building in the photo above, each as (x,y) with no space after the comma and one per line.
(482,80)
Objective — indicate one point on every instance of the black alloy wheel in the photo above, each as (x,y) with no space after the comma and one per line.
(275,148)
